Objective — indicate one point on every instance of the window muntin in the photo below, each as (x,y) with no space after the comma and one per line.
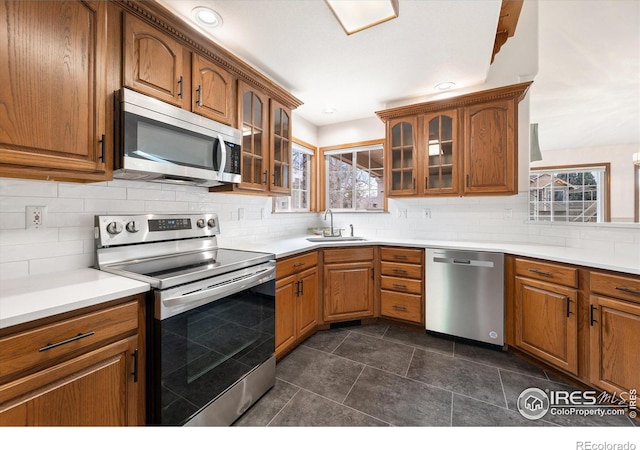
(568,194)
(354,179)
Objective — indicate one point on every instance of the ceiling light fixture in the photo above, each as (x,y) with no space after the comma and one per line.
(358,15)
(207,17)
(445,86)
(329,110)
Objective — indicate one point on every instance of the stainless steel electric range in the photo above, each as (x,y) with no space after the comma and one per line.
(211,321)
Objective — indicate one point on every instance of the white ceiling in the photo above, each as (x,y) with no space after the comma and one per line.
(586,93)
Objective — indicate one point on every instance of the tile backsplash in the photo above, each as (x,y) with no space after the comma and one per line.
(66,240)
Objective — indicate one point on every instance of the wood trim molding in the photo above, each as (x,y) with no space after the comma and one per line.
(514,91)
(174,26)
(507,23)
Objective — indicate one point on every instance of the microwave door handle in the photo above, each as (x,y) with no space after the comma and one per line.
(223,161)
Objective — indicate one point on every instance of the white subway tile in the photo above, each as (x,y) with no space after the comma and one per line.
(166,207)
(91,191)
(150,194)
(100,206)
(9,221)
(31,236)
(59,264)
(12,270)
(12,253)
(27,188)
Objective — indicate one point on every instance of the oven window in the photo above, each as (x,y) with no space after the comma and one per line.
(208,349)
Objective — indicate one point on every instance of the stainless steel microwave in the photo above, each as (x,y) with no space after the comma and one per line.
(159,142)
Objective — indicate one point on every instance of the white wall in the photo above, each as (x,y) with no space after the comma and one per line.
(620,158)
(361,130)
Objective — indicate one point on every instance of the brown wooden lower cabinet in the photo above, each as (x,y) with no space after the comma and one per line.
(546,322)
(296,300)
(614,327)
(349,281)
(85,370)
(614,340)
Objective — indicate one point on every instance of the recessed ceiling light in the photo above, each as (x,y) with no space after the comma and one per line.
(445,86)
(207,16)
(329,110)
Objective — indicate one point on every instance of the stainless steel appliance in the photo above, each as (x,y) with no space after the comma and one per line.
(156,141)
(211,322)
(465,294)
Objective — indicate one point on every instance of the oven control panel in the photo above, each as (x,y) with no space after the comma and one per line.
(138,229)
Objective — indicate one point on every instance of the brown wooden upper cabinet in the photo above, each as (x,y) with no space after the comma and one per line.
(464,145)
(266,144)
(158,65)
(490,148)
(53,92)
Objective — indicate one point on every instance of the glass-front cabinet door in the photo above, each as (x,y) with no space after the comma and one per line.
(402,156)
(440,153)
(280,180)
(253,120)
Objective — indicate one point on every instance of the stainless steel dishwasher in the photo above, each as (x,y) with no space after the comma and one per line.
(465,294)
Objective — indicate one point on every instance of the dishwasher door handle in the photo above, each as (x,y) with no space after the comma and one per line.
(463,262)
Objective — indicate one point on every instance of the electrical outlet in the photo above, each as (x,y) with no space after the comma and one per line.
(35,216)
(508,213)
(402,213)
(426,213)
(240,213)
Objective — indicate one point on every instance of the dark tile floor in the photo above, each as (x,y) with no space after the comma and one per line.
(380,375)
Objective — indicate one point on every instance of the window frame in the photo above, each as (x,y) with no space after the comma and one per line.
(605,187)
(312,152)
(347,148)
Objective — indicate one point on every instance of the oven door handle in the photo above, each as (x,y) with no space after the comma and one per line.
(221,289)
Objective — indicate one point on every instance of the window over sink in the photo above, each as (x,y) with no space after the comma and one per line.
(354,178)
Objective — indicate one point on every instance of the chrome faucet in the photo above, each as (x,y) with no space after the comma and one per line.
(328,211)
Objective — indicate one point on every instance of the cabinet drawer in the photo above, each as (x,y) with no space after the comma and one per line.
(554,273)
(626,288)
(401,306)
(405,255)
(296,264)
(401,270)
(52,343)
(401,284)
(350,254)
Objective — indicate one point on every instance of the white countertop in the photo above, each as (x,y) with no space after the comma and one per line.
(576,256)
(35,297)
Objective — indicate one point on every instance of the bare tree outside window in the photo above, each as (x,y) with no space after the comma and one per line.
(354,179)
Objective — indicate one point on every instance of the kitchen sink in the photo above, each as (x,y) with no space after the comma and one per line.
(335,239)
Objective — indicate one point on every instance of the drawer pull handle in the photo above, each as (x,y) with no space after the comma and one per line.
(540,272)
(399,286)
(592,319)
(400,256)
(627,290)
(300,264)
(400,271)
(399,308)
(66,341)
